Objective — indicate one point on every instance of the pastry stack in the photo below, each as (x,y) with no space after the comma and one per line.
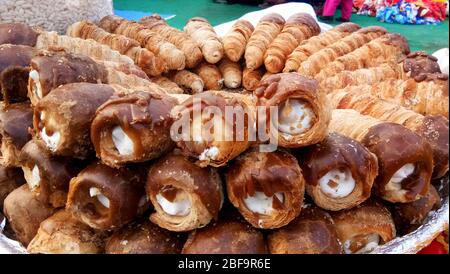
(90,162)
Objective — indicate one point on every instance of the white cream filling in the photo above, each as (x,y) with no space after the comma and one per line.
(32,176)
(294,117)
(260,203)
(52,141)
(122,142)
(401,174)
(337,184)
(209,154)
(37,87)
(181,207)
(95,192)
(373,240)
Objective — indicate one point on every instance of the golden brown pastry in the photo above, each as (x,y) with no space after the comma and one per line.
(189,81)
(207,133)
(132,128)
(15,122)
(144,237)
(10,179)
(14,62)
(24,213)
(266,188)
(180,39)
(201,31)
(409,216)
(231,72)
(251,78)
(362,228)
(313,232)
(389,47)
(17,34)
(61,233)
(434,129)
(229,236)
(184,195)
(303,109)
(298,28)
(148,38)
(47,176)
(339,172)
(405,160)
(316,43)
(167,84)
(235,40)
(51,69)
(105,198)
(320,59)
(145,59)
(265,32)
(63,118)
(210,75)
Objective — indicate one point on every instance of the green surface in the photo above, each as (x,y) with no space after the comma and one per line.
(421,37)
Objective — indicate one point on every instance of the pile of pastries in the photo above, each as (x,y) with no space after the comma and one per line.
(89,163)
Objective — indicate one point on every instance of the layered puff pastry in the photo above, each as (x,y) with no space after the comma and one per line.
(134,127)
(47,176)
(105,198)
(339,172)
(405,160)
(267,188)
(61,233)
(362,228)
(313,232)
(185,196)
(144,237)
(303,111)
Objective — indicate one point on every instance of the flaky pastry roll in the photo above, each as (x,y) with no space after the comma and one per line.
(302,108)
(63,118)
(105,198)
(362,228)
(266,188)
(133,128)
(339,172)
(313,232)
(61,233)
(184,195)
(144,237)
(47,176)
(25,212)
(405,160)
(15,122)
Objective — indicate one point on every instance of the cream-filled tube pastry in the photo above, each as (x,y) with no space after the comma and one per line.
(432,128)
(313,232)
(25,212)
(63,118)
(47,176)
(14,69)
(302,108)
(226,237)
(133,128)
(339,172)
(184,195)
(405,160)
(15,121)
(61,233)
(105,198)
(409,216)
(214,126)
(365,227)
(51,69)
(17,34)
(267,188)
(10,179)
(144,237)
